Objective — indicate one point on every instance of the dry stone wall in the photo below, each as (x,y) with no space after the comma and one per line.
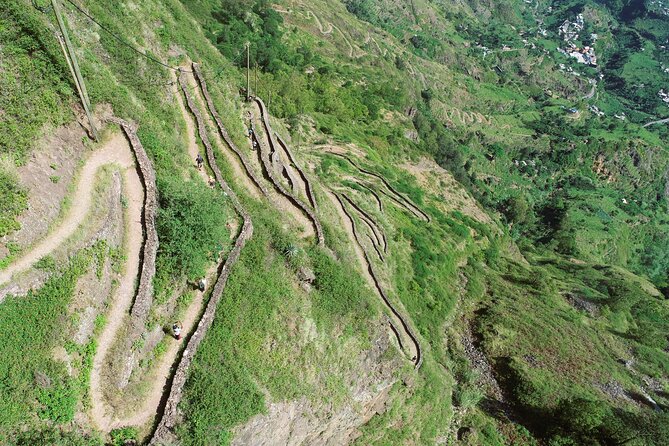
(309,189)
(223,132)
(144,297)
(163,435)
(277,184)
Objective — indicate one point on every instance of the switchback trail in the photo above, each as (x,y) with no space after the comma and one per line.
(140,254)
(308,188)
(224,134)
(412,349)
(396,195)
(264,115)
(114,151)
(169,415)
(379,235)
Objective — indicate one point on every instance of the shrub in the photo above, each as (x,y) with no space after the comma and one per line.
(191,226)
(13,200)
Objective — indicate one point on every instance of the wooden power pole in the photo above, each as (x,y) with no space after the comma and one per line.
(248,71)
(72,62)
(255,88)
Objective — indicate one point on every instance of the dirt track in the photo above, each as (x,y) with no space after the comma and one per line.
(407,340)
(115,151)
(122,299)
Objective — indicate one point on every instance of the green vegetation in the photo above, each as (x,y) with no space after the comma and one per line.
(33,382)
(565,290)
(34,71)
(191,235)
(254,314)
(13,200)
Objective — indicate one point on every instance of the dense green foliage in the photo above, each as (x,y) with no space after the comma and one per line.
(33,382)
(35,73)
(13,200)
(191,224)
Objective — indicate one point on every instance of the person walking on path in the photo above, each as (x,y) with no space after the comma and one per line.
(176,329)
(200,161)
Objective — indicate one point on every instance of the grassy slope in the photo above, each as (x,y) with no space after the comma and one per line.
(425,272)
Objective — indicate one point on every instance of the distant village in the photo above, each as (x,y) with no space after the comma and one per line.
(570,32)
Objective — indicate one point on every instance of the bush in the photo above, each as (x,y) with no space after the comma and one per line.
(121,436)
(191,226)
(13,200)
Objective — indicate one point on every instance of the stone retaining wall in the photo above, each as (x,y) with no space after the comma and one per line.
(404,201)
(223,132)
(268,167)
(163,435)
(144,297)
(418,361)
(309,189)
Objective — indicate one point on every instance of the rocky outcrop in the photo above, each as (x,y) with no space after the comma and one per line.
(303,422)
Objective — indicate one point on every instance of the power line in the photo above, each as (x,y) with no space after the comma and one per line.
(121,40)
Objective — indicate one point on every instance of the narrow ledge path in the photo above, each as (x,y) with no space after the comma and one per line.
(412,349)
(168,418)
(114,151)
(140,247)
(296,201)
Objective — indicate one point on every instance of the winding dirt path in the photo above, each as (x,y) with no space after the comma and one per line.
(394,194)
(378,233)
(169,415)
(412,348)
(140,247)
(306,184)
(250,179)
(191,143)
(296,202)
(115,151)
(159,375)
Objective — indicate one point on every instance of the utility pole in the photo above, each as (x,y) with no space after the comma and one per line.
(248,71)
(256,85)
(71,58)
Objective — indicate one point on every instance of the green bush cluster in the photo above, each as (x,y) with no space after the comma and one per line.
(31,381)
(13,200)
(191,226)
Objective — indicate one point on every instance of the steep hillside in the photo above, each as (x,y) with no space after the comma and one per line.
(426,222)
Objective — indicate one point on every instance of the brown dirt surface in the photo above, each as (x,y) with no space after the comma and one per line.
(436,180)
(58,157)
(125,291)
(116,150)
(193,149)
(281,202)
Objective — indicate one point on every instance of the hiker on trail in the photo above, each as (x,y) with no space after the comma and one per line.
(176,329)
(199,160)
(211,181)
(202,284)
(255,144)
(250,131)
